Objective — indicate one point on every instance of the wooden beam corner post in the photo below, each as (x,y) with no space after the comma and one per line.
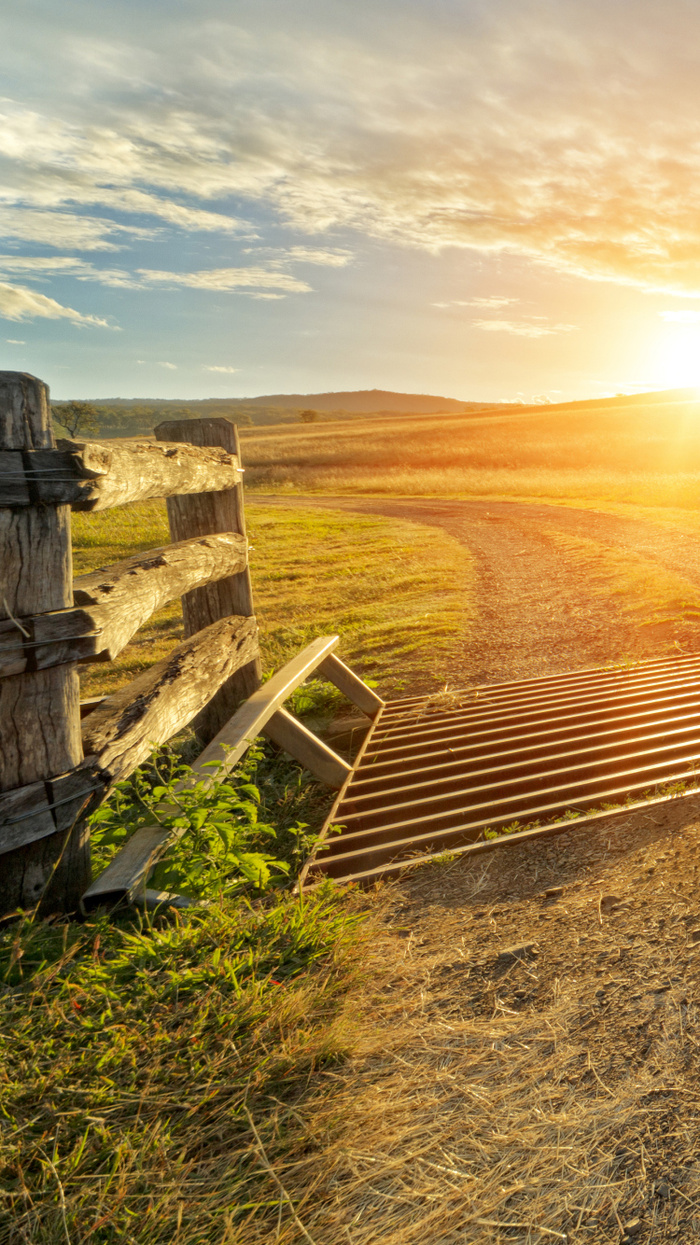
(204,514)
(39,709)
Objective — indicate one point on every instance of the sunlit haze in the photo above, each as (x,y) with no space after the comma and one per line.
(489,200)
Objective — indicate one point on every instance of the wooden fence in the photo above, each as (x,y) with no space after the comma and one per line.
(54,770)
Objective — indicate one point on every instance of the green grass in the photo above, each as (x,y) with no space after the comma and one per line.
(133,1056)
(397,593)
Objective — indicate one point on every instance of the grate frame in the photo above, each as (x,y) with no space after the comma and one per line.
(435,777)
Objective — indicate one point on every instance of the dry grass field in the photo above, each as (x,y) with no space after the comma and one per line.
(647,455)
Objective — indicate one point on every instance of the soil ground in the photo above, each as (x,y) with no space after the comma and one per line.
(531,1073)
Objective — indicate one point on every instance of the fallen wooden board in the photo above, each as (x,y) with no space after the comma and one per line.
(113,602)
(91,475)
(239,732)
(347,682)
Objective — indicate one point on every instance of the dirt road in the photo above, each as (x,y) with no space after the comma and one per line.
(537,615)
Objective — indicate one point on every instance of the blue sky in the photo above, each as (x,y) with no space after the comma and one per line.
(485,200)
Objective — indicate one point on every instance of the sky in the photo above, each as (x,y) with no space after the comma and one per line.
(484,199)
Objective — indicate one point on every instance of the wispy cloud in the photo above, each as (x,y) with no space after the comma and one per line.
(681,317)
(219,368)
(302,255)
(19,303)
(522,328)
(493,302)
(485,304)
(224,279)
(14,341)
(218,279)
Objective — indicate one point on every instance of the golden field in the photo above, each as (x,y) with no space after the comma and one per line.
(646,454)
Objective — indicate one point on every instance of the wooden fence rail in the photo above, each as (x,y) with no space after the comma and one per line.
(53,772)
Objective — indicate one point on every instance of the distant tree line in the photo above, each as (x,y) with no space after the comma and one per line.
(133,419)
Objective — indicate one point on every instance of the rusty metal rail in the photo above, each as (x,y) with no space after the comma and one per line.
(452,773)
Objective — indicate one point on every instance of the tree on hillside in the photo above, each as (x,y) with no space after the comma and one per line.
(76,417)
(308,417)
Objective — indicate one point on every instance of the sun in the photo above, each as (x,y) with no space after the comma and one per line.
(677,362)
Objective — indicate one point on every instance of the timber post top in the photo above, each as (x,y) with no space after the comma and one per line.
(25,414)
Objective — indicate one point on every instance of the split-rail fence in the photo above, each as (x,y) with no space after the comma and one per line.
(58,758)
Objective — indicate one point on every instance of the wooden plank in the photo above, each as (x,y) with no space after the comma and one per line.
(115,601)
(201,516)
(14,490)
(166,697)
(89,705)
(125,877)
(39,809)
(91,475)
(39,716)
(25,816)
(347,682)
(235,737)
(307,749)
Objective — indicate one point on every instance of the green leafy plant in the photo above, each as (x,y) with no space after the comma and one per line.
(250,832)
(515,827)
(221,845)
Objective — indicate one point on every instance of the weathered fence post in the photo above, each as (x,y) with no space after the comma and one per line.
(39,709)
(204,514)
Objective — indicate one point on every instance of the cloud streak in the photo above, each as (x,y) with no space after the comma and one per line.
(18,303)
(522,328)
(250,279)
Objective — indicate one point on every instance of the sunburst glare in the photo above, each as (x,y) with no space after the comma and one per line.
(678,355)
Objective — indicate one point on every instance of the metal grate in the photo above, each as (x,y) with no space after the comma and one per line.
(440,773)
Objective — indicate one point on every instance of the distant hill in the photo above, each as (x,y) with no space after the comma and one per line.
(366,402)
(128,417)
